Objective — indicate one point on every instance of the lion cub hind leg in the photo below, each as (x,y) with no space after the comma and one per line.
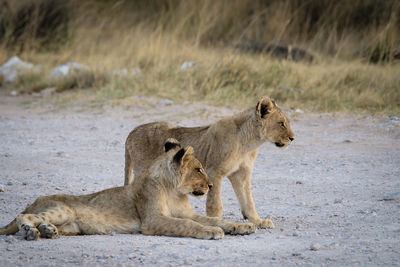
(48,230)
(43,224)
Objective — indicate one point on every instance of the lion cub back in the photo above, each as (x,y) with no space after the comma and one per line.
(145,143)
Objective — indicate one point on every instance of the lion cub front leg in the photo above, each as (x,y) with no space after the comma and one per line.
(170,226)
(214,203)
(229,227)
(241,184)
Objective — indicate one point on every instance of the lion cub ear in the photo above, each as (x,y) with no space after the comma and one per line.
(265,106)
(171,143)
(182,154)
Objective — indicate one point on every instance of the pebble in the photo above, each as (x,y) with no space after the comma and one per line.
(296,233)
(340,200)
(9,183)
(2,188)
(392,196)
(60,154)
(299,182)
(301,204)
(166,102)
(315,247)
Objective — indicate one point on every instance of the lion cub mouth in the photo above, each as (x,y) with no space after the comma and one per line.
(198,193)
(279,144)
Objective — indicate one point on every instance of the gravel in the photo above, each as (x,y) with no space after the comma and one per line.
(333,202)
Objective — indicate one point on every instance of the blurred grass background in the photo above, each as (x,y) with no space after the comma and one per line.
(355,44)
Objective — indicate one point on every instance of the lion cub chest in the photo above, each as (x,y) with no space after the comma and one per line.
(175,206)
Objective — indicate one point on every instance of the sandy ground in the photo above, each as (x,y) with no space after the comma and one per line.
(334,195)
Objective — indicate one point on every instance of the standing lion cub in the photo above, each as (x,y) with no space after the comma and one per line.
(155,204)
(226,148)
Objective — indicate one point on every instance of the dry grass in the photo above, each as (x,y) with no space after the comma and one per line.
(159,42)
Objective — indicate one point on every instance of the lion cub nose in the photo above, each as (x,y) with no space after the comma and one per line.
(210,186)
(291,138)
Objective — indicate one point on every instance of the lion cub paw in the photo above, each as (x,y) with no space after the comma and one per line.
(48,230)
(29,232)
(266,224)
(242,229)
(213,233)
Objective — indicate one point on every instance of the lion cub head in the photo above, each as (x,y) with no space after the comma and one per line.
(273,125)
(193,178)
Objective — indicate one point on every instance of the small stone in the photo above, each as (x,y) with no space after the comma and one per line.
(347,141)
(340,200)
(296,254)
(7,155)
(296,233)
(9,183)
(24,183)
(2,188)
(61,154)
(299,182)
(394,118)
(58,188)
(13,93)
(391,197)
(187,64)
(301,204)
(315,247)
(166,102)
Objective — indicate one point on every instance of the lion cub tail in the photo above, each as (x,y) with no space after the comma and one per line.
(10,228)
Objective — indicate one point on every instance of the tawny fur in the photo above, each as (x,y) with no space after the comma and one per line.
(155,204)
(226,148)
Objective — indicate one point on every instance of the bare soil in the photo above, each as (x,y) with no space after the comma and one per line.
(334,195)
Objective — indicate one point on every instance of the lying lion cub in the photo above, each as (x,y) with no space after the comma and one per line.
(155,204)
(226,148)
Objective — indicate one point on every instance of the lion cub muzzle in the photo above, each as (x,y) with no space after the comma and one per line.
(204,189)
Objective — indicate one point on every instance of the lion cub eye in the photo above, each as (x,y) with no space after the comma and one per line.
(282,124)
(199,170)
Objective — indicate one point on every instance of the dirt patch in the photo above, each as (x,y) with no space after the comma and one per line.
(325,193)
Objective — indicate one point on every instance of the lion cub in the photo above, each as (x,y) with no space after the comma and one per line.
(226,148)
(155,204)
